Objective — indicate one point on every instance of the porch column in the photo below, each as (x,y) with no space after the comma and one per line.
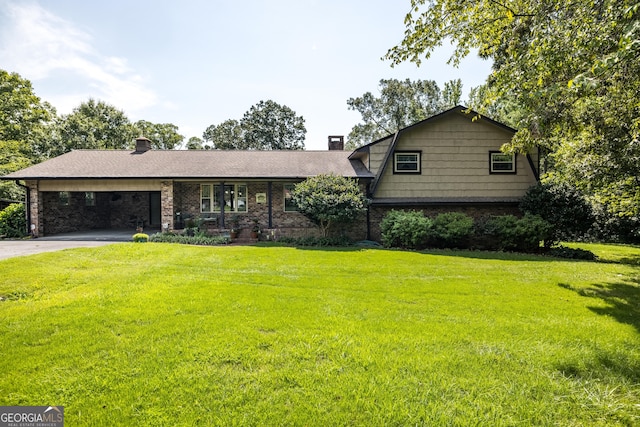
(166,205)
(270,201)
(35,208)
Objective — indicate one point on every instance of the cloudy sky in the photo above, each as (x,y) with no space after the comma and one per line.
(195,63)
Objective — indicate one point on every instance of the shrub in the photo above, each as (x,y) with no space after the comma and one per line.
(199,239)
(572,253)
(316,241)
(140,237)
(405,229)
(452,230)
(564,207)
(13,222)
(518,234)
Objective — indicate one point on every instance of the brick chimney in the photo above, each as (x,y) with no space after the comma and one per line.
(142,144)
(336,143)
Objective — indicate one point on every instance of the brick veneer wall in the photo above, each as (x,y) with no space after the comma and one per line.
(293,224)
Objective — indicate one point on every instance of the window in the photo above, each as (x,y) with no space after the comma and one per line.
(89,198)
(64,198)
(235,198)
(407,162)
(289,204)
(500,162)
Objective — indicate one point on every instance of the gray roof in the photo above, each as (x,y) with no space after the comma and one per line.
(185,164)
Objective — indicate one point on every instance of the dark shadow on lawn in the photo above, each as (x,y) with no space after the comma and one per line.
(622,298)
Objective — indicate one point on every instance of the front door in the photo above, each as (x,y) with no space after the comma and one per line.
(155,209)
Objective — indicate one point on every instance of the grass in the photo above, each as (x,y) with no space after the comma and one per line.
(159,334)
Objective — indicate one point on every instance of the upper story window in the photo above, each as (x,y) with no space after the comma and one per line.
(500,162)
(407,162)
(289,205)
(235,198)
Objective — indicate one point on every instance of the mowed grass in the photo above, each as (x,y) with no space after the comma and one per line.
(159,334)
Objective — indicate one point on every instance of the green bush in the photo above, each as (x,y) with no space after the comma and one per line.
(452,230)
(405,229)
(140,237)
(509,233)
(199,239)
(564,207)
(316,241)
(13,222)
(572,253)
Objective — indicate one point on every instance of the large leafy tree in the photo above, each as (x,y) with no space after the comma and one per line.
(25,125)
(401,103)
(95,125)
(568,71)
(163,136)
(267,125)
(329,200)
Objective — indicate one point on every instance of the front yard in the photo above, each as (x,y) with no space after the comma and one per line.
(160,334)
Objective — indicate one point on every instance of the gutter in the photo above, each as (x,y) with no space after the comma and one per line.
(27,206)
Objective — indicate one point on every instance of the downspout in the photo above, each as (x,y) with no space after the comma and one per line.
(27,206)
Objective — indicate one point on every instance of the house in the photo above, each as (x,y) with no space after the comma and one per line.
(448,162)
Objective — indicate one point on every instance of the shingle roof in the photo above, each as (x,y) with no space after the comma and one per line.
(176,164)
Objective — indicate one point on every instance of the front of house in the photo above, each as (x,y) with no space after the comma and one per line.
(447,162)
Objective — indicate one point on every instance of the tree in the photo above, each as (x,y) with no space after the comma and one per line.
(196,143)
(163,136)
(569,68)
(25,125)
(266,126)
(95,125)
(329,199)
(271,126)
(400,104)
(228,135)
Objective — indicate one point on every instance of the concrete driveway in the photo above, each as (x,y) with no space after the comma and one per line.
(84,239)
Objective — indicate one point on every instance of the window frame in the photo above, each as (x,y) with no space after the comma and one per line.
(418,162)
(492,170)
(64,198)
(89,198)
(213,197)
(292,207)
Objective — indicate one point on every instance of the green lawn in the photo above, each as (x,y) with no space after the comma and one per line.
(159,334)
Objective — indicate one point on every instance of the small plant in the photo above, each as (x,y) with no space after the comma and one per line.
(140,238)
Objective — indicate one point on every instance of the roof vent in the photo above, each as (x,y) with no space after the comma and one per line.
(336,143)
(142,144)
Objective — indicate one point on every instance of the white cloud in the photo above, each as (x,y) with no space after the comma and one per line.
(36,44)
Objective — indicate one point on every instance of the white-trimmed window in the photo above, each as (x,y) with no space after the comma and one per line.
(289,204)
(235,198)
(500,162)
(407,162)
(89,198)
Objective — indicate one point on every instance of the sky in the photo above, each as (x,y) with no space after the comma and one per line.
(195,63)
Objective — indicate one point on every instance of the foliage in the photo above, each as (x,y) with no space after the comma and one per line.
(195,143)
(94,125)
(163,136)
(564,72)
(509,233)
(282,336)
(140,238)
(452,229)
(194,239)
(329,199)
(400,104)
(13,221)
(571,253)
(312,241)
(24,125)
(405,229)
(267,125)
(561,205)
